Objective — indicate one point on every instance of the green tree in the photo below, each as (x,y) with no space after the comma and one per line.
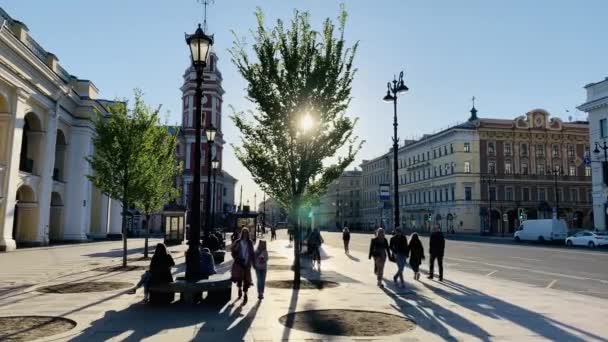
(300,83)
(124,143)
(159,188)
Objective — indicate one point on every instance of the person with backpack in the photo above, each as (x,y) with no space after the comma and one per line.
(379,249)
(436,249)
(346,239)
(400,251)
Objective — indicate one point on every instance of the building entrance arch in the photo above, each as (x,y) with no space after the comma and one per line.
(25,222)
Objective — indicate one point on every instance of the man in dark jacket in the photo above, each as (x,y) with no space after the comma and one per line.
(398,246)
(436,249)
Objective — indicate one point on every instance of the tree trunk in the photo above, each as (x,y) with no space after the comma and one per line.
(124,233)
(296,241)
(147,236)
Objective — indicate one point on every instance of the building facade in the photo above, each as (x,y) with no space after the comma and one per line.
(374,174)
(487,175)
(341,204)
(439,180)
(534,166)
(596,107)
(223,198)
(45,135)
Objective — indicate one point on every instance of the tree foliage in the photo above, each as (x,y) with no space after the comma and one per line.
(125,146)
(298,78)
(162,171)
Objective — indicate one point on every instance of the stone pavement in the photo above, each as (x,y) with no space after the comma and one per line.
(465,307)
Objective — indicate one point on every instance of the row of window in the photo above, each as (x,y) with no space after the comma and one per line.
(437,153)
(540,150)
(376,179)
(429,196)
(541,194)
(438,171)
(540,169)
(446,195)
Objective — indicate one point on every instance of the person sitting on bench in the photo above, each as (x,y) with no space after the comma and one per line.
(207,264)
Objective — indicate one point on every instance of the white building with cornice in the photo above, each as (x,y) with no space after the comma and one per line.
(45,135)
(597,108)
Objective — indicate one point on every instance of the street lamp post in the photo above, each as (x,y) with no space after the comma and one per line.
(556,173)
(603,147)
(392,91)
(489,179)
(210,132)
(199,44)
(215,164)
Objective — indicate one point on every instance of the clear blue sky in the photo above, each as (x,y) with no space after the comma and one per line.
(512,55)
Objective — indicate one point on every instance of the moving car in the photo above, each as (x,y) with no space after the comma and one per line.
(587,238)
(542,230)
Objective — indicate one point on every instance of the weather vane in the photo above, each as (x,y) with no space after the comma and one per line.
(473,100)
(205,3)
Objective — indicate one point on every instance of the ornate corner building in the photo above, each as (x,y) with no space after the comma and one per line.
(45,135)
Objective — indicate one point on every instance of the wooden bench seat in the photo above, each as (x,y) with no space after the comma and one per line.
(217,286)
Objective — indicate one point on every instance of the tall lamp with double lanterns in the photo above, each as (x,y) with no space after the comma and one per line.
(395,88)
(200,45)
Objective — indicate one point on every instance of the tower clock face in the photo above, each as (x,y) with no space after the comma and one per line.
(538,121)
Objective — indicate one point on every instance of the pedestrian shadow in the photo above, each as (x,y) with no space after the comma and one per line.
(496,308)
(140,321)
(353,258)
(117,252)
(435,318)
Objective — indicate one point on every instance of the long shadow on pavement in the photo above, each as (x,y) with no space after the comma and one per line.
(435,318)
(493,307)
(140,321)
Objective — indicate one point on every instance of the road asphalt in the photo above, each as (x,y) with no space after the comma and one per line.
(575,271)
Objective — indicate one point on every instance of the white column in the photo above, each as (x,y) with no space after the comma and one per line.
(46,178)
(78,188)
(115,218)
(6,229)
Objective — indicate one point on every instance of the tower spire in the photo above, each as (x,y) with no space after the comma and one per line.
(205,3)
(473,110)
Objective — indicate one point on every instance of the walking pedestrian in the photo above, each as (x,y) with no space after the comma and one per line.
(378,248)
(261,266)
(273,232)
(400,251)
(315,240)
(416,255)
(346,239)
(436,249)
(243,255)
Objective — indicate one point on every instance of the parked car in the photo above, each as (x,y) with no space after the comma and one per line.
(541,230)
(587,238)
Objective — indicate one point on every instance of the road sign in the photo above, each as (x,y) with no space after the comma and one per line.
(587,161)
(385,192)
(505,217)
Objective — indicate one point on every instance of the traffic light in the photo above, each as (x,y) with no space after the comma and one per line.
(521,213)
(430,218)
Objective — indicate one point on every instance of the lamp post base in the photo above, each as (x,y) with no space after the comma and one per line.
(193,257)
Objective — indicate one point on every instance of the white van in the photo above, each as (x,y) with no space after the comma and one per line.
(542,230)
